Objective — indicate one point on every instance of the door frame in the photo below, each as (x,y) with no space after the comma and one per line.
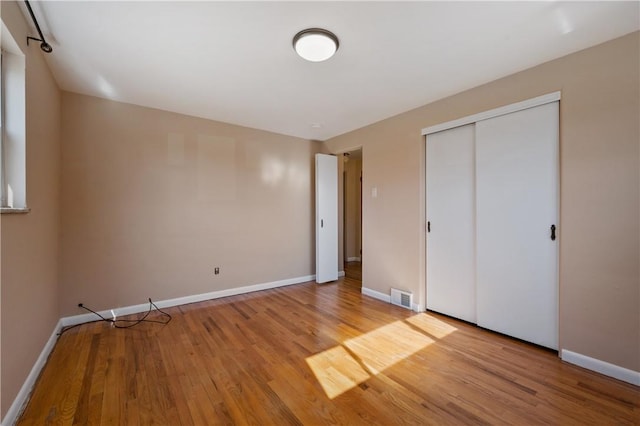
(341,216)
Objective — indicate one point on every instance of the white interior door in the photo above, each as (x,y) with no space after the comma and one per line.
(517,204)
(451,287)
(326,218)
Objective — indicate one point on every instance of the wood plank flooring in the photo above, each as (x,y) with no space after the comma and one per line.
(353,270)
(314,354)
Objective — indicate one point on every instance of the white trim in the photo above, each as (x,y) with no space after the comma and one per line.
(345,150)
(376,294)
(340,274)
(496,112)
(12,210)
(20,401)
(134,309)
(353,259)
(601,367)
(23,395)
(416,307)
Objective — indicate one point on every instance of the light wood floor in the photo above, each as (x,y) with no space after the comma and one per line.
(315,354)
(353,270)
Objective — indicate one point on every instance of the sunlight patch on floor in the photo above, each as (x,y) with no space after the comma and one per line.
(431,325)
(336,370)
(345,366)
(381,348)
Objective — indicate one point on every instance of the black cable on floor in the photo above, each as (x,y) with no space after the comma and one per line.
(116,322)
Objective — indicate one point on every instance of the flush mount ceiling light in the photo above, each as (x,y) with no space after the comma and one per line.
(315,44)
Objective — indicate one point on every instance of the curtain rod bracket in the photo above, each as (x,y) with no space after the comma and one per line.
(46,47)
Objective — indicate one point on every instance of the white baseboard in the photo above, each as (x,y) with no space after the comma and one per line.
(376,294)
(416,307)
(20,401)
(601,367)
(353,259)
(134,309)
(340,274)
(25,391)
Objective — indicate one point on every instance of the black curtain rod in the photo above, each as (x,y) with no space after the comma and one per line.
(46,47)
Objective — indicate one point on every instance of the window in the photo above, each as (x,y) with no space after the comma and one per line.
(12,127)
(3,187)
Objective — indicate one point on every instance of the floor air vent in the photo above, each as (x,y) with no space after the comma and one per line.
(401,298)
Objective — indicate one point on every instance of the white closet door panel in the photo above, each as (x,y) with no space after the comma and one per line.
(451,216)
(517,193)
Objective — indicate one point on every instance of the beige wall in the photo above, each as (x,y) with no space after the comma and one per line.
(152,201)
(352,171)
(30,241)
(599,202)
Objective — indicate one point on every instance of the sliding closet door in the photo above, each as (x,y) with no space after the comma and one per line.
(517,208)
(451,223)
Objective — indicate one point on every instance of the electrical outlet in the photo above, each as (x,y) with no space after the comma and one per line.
(216,271)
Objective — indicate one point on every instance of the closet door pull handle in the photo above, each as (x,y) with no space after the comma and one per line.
(321,223)
(553,232)
(428,226)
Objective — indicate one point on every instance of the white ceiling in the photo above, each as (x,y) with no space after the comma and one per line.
(234,62)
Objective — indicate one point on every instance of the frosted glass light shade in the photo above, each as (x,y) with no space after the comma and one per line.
(315,44)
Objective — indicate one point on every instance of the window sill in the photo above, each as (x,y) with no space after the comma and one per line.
(12,210)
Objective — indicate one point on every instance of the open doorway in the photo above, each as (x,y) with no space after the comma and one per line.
(352,214)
